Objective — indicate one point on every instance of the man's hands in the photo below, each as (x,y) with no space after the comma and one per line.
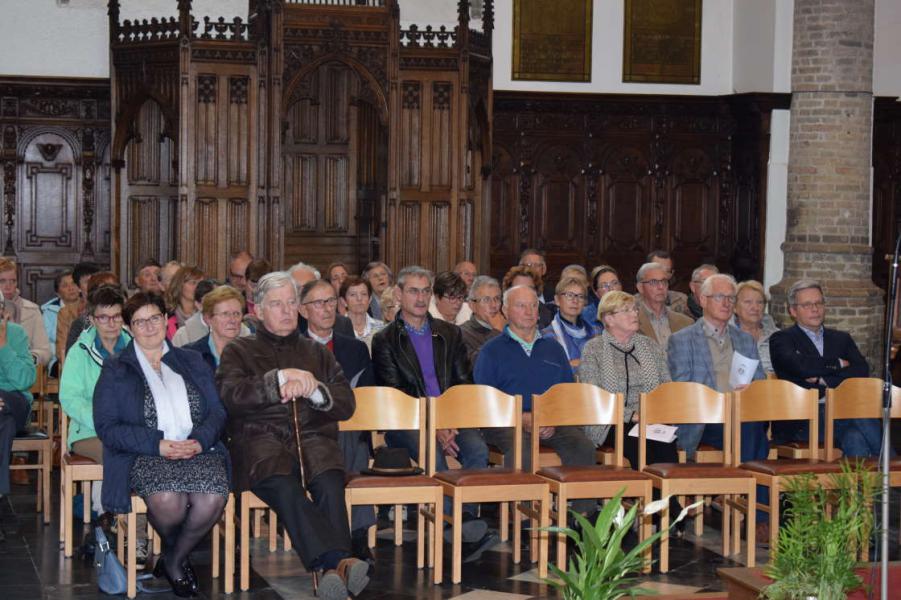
(446,439)
(543,432)
(298,384)
(179,450)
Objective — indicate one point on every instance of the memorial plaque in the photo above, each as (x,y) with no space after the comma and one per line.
(662,41)
(552,40)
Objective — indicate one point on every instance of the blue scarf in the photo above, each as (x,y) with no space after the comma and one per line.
(572,337)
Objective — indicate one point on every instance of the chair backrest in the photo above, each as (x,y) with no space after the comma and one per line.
(474,406)
(774,400)
(384,409)
(37,388)
(684,402)
(573,404)
(856,398)
(63,430)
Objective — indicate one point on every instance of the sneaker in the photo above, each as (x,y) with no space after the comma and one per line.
(474,529)
(473,551)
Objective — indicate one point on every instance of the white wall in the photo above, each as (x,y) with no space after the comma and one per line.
(776,198)
(887,49)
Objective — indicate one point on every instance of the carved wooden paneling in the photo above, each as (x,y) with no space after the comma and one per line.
(208,227)
(436,249)
(409,228)
(103,221)
(145,218)
(411,134)
(49,208)
(465,229)
(36,281)
(146,150)
(440,147)
(336,199)
(301,171)
(238,131)
(606,179)
(237,225)
(206,128)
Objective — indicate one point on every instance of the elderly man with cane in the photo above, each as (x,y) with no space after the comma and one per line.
(285,395)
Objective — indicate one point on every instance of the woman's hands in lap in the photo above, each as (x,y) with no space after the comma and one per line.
(174,450)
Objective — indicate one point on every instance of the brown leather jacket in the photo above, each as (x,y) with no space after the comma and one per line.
(260,428)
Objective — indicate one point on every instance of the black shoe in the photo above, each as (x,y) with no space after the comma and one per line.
(359,548)
(180,587)
(473,529)
(472,551)
(190,575)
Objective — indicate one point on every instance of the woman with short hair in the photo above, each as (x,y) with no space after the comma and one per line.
(448,301)
(356,294)
(180,297)
(751,317)
(223,311)
(568,327)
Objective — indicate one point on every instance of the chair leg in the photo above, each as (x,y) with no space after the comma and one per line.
(774,516)
(244,583)
(47,466)
(437,539)
(371,536)
(62,507)
(86,503)
(132,560)
(230,544)
(736,530)
(727,524)
(517,536)
(505,521)
(273,531)
(457,533)
(699,517)
(543,522)
(664,528)
(67,524)
(752,523)
(214,551)
(420,535)
(286,540)
(398,524)
(644,526)
(561,523)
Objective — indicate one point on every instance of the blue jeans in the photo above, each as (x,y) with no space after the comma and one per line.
(855,437)
(473,454)
(754,444)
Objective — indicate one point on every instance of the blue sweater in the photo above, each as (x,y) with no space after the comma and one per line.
(503,364)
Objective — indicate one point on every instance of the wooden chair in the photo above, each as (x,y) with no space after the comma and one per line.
(34,438)
(387,409)
(74,468)
(126,547)
(249,502)
(576,404)
(684,402)
(861,398)
(471,406)
(777,400)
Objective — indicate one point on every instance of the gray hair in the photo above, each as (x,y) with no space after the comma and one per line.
(707,286)
(801,285)
(643,269)
(301,266)
(519,287)
(480,282)
(272,281)
(575,267)
(705,267)
(374,265)
(414,271)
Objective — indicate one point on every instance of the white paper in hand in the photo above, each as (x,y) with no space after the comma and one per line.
(657,432)
(743,369)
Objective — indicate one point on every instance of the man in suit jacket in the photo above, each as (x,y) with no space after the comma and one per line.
(655,319)
(318,306)
(703,353)
(812,356)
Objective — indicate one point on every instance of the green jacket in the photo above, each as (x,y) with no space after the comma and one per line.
(76,387)
(17,370)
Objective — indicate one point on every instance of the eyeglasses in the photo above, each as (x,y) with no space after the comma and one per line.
(632,309)
(106,319)
(322,303)
(232,315)
(532,265)
(426,291)
(455,297)
(237,277)
(150,322)
(489,300)
(722,298)
(279,305)
(812,305)
(525,305)
(610,285)
(655,282)
(573,296)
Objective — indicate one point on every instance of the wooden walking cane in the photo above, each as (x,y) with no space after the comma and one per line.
(303,479)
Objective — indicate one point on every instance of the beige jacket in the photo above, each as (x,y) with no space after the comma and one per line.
(28,315)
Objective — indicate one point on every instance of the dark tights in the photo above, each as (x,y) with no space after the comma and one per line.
(182,520)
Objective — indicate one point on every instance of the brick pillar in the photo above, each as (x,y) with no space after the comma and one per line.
(828,217)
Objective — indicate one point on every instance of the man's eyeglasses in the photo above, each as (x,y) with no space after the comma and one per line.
(610,285)
(426,291)
(106,319)
(455,297)
(279,305)
(532,265)
(722,298)
(322,303)
(655,282)
(233,315)
(811,305)
(150,322)
(489,300)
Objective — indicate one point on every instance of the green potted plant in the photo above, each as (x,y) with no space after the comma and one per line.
(824,530)
(599,567)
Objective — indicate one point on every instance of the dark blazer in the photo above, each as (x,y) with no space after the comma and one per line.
(353,356)
(343,325)
(396,364)
(202,347)
(795,358)
(119,417)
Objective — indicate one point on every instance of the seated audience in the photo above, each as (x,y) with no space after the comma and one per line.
(655,319)
(703,353)
(24,312)
(148,277)
(698,277)
(676,301)
(180,298)
(255,271)
(303,273)
(448,299)
(535,259)
(237,269)
(259,378)
(17,375)
(167,272)
(423,356)
(522,361)
(159,417)
(356,294)
(526,276)
(379,276)
(388,304)
(568,327)
(751,317)
(195,327)
(335,274)
(603,279)
(103,339)
(222,308)
(817,357)
(68,313)
(467,272)
(67,293)
(318,302)
(485,303)
(81,322)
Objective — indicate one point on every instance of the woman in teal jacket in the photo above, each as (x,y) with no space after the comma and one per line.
(103,339)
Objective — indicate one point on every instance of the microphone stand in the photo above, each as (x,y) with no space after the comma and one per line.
(886,417)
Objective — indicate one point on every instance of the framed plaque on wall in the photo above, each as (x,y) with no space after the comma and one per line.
(552,40)
(662,41)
